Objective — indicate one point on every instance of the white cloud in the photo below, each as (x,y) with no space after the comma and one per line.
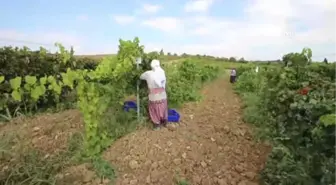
(123,19)
(165,24)
(198,5)
(48,39)
(268,30)
(151,8)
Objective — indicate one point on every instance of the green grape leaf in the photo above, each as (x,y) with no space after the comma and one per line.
(43,80)
(31,80)
(2,78)
(27,87)
(37,92)
(42,88)
(50,87)
(57,88)
(67,79)
(16,95)
(51,79)
(15,83)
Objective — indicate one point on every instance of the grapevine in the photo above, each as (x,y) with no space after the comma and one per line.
(100,92)
(293,106)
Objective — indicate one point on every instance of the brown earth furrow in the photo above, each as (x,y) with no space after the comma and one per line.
(212,145)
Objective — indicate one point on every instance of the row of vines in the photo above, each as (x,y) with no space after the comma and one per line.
(98,91)
(31,81)
(293,106)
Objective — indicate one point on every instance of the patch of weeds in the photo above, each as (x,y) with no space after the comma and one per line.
(103,169)
(182,182)
(26,165)
(120,123)
(31,166)
(75,147)
(6,141)
(254,113)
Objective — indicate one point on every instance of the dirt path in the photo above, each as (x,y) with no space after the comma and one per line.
(211,146)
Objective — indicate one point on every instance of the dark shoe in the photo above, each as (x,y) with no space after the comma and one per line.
(164,123)
(156,127)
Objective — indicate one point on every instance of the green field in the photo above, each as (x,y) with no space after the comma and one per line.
(62,120)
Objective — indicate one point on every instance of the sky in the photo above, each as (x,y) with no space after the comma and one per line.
(253,29)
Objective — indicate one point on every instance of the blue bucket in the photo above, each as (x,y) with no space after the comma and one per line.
(173,116)
(129,105)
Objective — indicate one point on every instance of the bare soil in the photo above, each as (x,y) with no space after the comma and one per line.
(211,145)
(48,133)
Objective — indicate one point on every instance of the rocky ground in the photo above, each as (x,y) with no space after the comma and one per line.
(211,145)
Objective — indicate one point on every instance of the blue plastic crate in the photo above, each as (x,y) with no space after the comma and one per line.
(173,116)
(129,105)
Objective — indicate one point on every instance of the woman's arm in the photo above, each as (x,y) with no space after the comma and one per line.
(144,75)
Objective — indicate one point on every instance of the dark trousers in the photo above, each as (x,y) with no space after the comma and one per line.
(232,79)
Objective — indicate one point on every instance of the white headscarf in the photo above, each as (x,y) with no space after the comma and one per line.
(159,74)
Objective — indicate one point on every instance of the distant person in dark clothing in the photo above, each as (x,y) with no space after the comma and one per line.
(233,75)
